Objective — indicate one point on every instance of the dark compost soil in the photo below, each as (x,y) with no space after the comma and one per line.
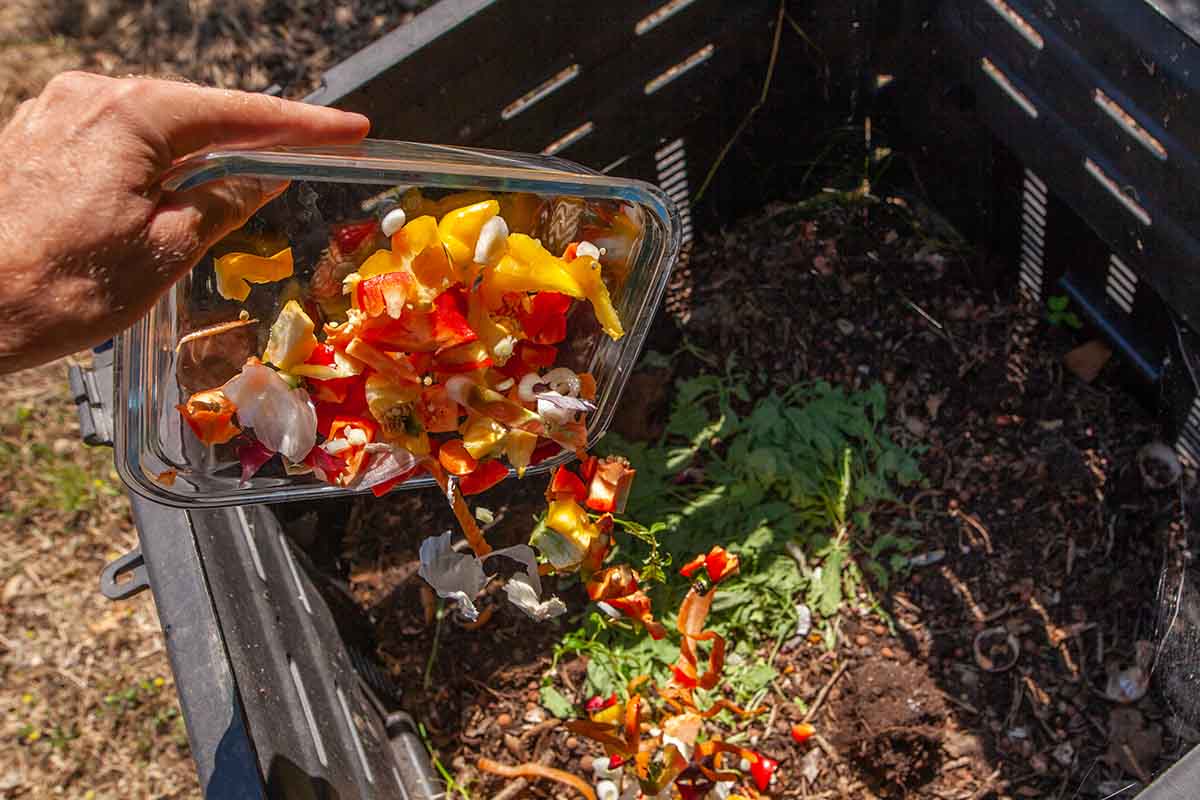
(1049,542)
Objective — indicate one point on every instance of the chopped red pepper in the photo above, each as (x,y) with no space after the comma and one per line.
(437,412)
(455,458)
(802,732)
(210,416)
(610,485)
(544,451)
(598,703)
(682,678)
(380,489)
(322,356)
(762,768)
(546,321)
(636,606)
(612,582)
(718,562)
(587,468)
(485,476)
(463,358)
(352,235)
(566,482)
(387,293)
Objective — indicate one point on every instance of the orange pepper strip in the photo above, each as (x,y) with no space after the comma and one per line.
(466,520)
(531,770)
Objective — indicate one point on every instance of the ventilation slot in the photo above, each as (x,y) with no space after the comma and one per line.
(248,535)
(567,139)
(1188,445)
(1015,94)
(671,162)
(287,554)
(687,65)
(660,15)
(1033,235)
(318,743)
(1121,284)
(354,734)
(1114,188)
(540,92)
(1010,15)
(1130,125)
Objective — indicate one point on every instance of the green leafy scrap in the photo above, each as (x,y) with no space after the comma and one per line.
(788,484)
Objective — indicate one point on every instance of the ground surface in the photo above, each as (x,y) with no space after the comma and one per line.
(89,705)
(1045,531)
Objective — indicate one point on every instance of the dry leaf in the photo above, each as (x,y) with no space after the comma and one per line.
(1086,361)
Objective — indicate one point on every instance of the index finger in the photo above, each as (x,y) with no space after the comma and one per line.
(193,118)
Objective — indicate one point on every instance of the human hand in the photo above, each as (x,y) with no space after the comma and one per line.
(89,239)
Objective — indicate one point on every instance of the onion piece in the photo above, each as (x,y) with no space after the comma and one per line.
(563,381)
(387,462)
(525,390)
(253,456)
(284,419)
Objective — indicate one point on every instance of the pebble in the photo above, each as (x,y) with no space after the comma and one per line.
(513,745)
(535,715)
(572,743)
(504,720)
(880,630)
(585,763)
(62,447)
(393,221)
(845,326)
(862,640)
(886,652)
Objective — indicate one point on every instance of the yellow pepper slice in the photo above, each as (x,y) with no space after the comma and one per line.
(459,231)
(236,271)
(529,267)
(482,435)
(568,534)
(291,340)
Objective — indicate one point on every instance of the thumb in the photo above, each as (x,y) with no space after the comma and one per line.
(185,224)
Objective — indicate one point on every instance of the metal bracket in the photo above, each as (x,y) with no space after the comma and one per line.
(92,390)
(132,564)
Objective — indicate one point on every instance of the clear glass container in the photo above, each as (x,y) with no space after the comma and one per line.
(156,454)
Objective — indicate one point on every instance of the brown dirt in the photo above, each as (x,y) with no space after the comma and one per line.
(1047,532)
(89,704)
(235,44)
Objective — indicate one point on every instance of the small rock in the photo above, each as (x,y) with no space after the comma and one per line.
(880,630)
(1064,754)
(1158,464)
(916,426)
(585,763)
(886,652)
(513,745)
(504,720)
(535,715)
(1038,763)
(572,743)
(862,640)
(1118,786)
(844,326)
(962,743)
(926,559)
(1087,360)
(62,447)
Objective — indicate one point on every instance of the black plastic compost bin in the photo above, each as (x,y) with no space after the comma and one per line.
(1045,129)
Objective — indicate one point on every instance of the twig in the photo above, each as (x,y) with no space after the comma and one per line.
(812,712)
(762,99)
(963,704)
(827,747)
(1133,762)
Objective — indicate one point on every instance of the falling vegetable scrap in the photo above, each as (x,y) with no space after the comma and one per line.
(439,353)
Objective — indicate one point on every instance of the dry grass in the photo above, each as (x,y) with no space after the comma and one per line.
(89,704)
(237,44)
